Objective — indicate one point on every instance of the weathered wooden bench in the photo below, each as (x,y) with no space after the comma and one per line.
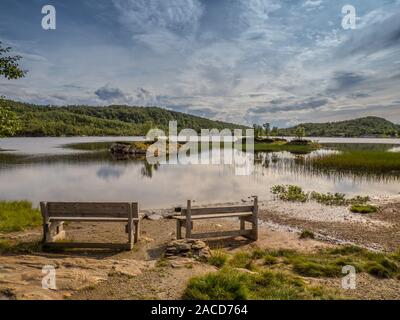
(56,213)
(244,213)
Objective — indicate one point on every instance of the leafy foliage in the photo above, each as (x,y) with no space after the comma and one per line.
(9,123)
(367,126)
(100,121)
(9,67)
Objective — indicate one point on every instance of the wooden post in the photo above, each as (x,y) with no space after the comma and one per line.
(46,227)
(135,215)
(255,219)
(242,224)
(178,229)
(130,227)
(188,219)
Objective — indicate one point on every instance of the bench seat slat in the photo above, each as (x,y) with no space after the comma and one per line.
(90,219)
(217,234)
(200,211)
(215,216)
(90,245)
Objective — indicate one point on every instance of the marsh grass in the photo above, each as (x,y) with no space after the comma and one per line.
(18,216)
(372,161)
(286,146)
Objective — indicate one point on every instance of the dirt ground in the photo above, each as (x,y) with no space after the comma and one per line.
(380,232)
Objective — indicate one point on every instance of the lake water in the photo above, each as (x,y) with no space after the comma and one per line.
(49,171)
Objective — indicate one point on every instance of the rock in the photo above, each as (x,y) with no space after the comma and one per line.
(187,248)
(198,245)
(181,263)
(21,276)
(119,148)
(155,217)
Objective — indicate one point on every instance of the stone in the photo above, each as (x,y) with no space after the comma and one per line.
(155,217)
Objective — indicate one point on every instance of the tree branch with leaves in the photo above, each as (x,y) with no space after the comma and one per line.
(9,69)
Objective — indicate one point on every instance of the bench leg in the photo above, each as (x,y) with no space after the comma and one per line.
(178,229)
(242,224)
(53,231)
(137,231)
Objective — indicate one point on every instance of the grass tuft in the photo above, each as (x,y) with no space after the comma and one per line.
(18,216)
(218,259)
(307,234)
(363,208)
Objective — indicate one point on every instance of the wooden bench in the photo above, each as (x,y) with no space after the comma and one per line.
(56,213)
(244,213)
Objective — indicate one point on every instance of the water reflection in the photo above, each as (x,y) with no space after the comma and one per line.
(98,176)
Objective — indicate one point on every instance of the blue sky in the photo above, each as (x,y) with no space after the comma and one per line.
(244,61)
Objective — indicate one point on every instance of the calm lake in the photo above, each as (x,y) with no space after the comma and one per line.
(47,169)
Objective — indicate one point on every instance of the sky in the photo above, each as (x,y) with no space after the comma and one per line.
(242,61)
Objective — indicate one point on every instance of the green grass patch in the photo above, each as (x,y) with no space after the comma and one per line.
(18,215)
(8,247)
(286,146)
(230,284)
(363,208)
(372,161)
(242,260)
(295,193)
(329,262)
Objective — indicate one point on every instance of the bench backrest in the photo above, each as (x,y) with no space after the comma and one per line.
(90,209)
(202,211)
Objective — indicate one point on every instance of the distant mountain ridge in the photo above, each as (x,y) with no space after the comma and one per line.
(37,120)
(360,127)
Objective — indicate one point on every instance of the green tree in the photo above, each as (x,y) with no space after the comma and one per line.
(300,132)
(9,69)
(267,128)
(274,131)
(9,123)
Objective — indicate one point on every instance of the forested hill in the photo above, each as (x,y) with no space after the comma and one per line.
(100,121)
(361,127)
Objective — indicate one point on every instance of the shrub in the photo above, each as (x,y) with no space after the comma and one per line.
(363,208)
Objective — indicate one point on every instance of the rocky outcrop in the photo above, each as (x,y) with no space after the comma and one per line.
(126,149)
(21,276)
(191,248)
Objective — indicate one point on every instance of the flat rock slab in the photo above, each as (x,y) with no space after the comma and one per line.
(21,276)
